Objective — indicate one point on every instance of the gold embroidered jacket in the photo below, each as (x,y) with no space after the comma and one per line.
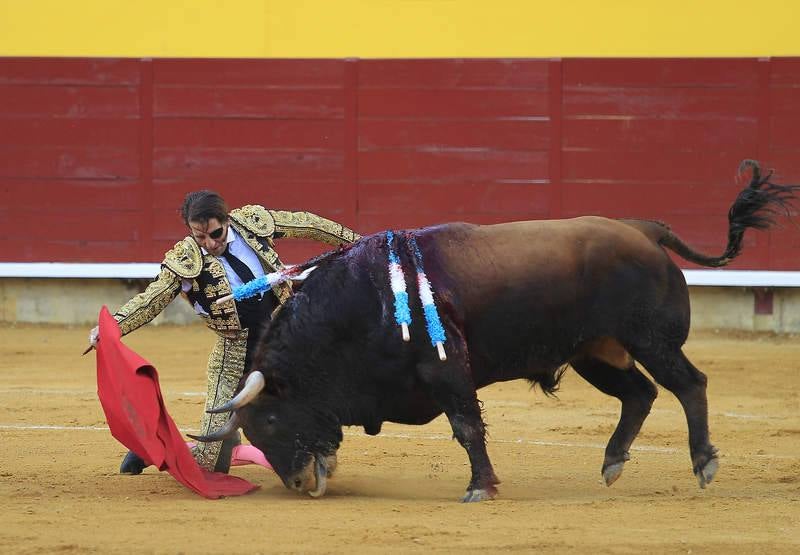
(185,261)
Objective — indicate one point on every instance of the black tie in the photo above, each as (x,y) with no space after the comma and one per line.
(252,312)
(241,269)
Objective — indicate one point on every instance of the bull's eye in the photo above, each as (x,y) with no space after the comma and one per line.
(272,419)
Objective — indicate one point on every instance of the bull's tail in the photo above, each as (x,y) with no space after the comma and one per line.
(757,206)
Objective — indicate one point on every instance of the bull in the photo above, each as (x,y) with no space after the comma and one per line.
(517,300)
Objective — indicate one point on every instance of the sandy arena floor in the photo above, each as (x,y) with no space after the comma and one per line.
(398,492)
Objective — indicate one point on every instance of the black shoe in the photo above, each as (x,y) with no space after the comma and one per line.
(132,464)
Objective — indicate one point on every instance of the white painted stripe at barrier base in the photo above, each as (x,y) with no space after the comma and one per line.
(147,270)
(133,270)
(742,278)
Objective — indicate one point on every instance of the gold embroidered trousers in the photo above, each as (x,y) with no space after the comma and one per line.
(225,369)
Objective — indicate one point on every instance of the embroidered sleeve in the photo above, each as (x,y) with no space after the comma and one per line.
(305,225)
(147,305)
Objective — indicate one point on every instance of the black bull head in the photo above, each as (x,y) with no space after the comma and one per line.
(517,300)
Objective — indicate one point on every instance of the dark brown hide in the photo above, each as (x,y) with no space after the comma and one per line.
(517,300)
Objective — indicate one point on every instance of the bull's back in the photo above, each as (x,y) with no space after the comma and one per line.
(546,284)
(561,255)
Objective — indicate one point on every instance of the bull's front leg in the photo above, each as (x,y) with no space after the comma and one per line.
(453,390)
(470,431)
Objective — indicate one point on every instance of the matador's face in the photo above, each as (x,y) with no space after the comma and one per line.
(211,235)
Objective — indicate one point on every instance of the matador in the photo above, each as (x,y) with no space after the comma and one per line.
(225,249)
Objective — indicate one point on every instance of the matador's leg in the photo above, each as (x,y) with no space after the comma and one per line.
(225,368)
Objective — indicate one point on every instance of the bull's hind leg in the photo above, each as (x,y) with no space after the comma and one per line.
(672,369)
(635,392)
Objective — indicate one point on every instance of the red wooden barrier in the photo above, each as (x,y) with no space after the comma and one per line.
(96,155)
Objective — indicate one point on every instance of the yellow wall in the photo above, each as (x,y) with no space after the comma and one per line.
(399,28)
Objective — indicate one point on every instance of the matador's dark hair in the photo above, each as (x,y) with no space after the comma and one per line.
(201,206)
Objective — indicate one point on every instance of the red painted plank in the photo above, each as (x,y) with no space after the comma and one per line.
(87,162)
(96,196)
(69,71)
(665,167)
(493,134)
(68,132)
(144,223)
(69,225)
(473,142)
(662,102)
(785,72)
(555,96)
(454,103)
(318,195)
(68,101)
(250,73)
(500,199)
(643,72)
(250,102)
(83,250)
(251,133)
(784,246)
(654,134)
(214,163)
(785,100)
(784,131)
(167,226)
(350,176)
(454,73)
(648,200)
(784,162)
(452,165)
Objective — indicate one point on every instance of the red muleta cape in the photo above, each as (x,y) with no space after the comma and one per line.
(127,386)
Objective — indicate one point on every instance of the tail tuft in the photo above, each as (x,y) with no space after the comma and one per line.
(757,207)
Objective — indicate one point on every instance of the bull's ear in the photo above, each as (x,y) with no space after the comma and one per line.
(276,386)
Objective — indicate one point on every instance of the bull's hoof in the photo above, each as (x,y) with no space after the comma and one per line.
(705,474)
(612,472)
(475,495)
(612,469)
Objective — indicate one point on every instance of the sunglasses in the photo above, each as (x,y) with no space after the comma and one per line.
(216,235)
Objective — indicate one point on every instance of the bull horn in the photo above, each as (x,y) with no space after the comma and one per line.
(228,430)
(321,474)
(252,387)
